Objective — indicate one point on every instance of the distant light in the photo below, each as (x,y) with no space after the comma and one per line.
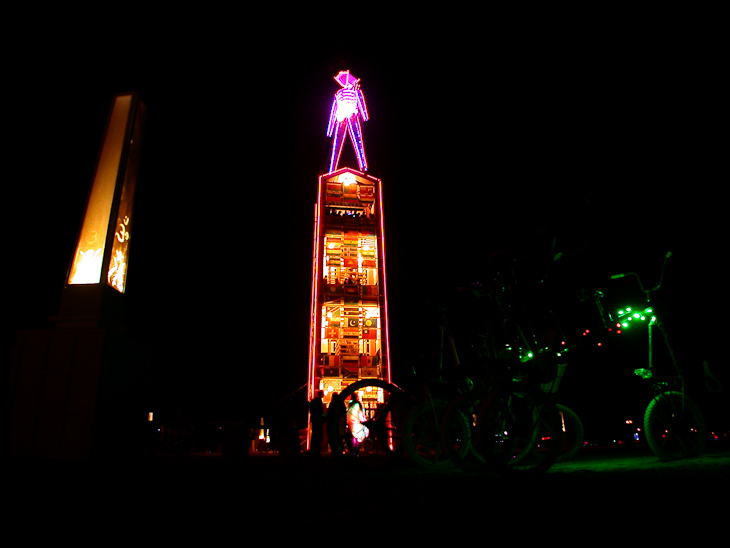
(149,416)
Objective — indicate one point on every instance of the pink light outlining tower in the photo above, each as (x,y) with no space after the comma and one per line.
(348,337)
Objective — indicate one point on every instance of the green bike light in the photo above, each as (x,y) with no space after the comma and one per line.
(626,316)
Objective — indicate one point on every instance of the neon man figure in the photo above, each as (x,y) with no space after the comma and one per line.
(348,109)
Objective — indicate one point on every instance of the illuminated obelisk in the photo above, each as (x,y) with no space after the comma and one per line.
(76,389)
(98,273)
(348,338)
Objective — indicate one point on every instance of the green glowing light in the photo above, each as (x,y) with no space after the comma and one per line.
(625,316)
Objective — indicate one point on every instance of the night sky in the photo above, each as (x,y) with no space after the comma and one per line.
(609,143)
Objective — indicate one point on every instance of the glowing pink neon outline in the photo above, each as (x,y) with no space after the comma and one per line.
(316,311)
(351,98)
(385,281)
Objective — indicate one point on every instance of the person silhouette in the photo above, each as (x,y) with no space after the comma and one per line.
(318,418)
(355,418)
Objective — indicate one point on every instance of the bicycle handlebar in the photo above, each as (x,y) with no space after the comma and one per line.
(641,285)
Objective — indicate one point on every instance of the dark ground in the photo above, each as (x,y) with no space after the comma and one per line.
(603,491)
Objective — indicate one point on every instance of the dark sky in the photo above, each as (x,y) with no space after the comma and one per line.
(609,142)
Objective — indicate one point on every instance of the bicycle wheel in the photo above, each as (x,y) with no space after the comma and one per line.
(573,435)
(457,433)
(422,435)
(674,426)
(519,433)
(378,438)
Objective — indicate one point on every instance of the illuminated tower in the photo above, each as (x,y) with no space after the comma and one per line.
(348,338)
(98,274)
(77,388)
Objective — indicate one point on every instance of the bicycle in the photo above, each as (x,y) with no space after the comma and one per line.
(400,421)
(674,426)
(436,423)
(444,389)
(510,423)
(440,431)
(518,427)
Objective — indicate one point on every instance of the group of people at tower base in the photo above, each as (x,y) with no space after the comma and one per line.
(352,426)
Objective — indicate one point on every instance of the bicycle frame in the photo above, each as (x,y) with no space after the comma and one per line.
(461,379)
(673,424)
(628,316)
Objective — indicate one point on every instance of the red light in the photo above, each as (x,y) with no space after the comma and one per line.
(600,344)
